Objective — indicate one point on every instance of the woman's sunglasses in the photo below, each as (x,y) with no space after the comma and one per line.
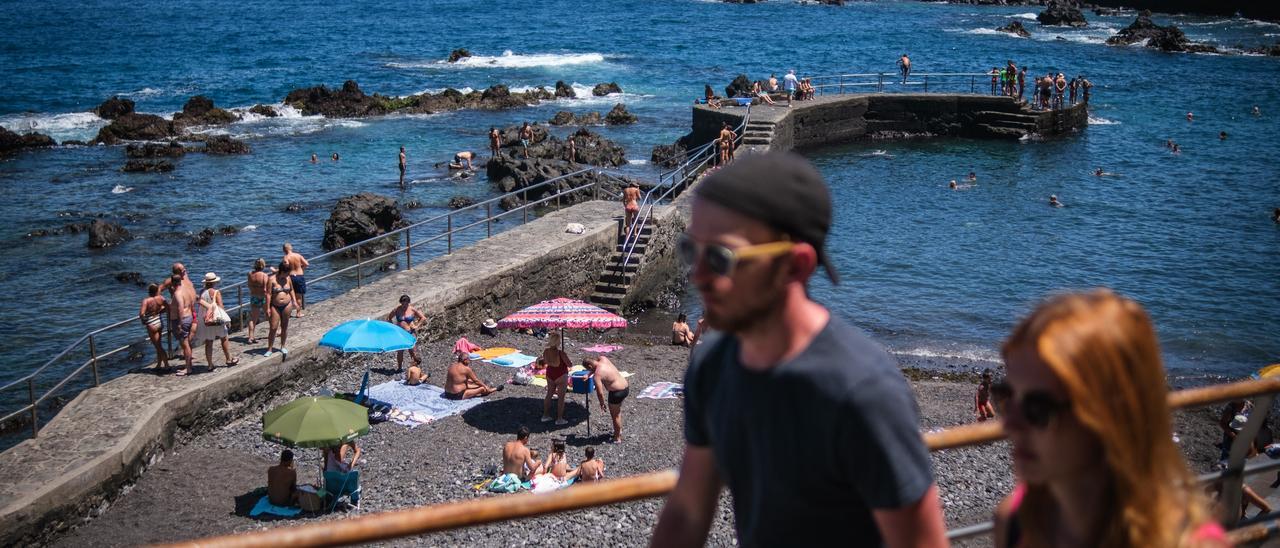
(1037,407)
(720,260)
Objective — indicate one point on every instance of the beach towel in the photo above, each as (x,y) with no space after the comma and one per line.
(662,391)
(426,399)
(264,506)
(506,483)
(408,418)
(603,348)
(491,353)
(514,359)
(465,347)
(547,483)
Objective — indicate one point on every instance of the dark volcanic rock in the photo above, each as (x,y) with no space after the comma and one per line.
(135,127)
(361,217)
(348,102)
(10,141)
(457,54)
(294,208)
(264,110)
(200,111)
(223,144)
(511,136)
(172,149)
(134,278)
(104,234)
(739,87)
(604,89)
(589,148)
(514,173)
(143,166)
(1015,28)
(202,238)
(566,118)
(619,116)
(1062,13)
(562,118)
(1168,38)
(671,155)
(459,202)
(113,108)
(414,204)
(564,90)
(1272,50)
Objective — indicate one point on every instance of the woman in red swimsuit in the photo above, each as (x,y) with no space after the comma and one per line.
(1084,405)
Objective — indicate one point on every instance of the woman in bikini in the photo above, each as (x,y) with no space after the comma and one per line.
(408,318)
(259,285)
(1084,405)
(630,206)
(281,299)
(152,315)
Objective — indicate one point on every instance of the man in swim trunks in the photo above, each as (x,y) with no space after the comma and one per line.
(495,141)
(402,165)
(526,137)
(259,284)
(904,65)
(609,380)
(789,83)
(460,158)
(182,314)
(516,459)
(591,469)
(297,274)
(1085,85)
(461,381)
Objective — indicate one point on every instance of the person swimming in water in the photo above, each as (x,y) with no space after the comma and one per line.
(1177,149)
(1190,116)
(1222,136)
(1053,201)
(953,185)
(973,177)
(1257,111)
(1098,172)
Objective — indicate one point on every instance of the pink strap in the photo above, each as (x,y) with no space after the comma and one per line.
(1015,497)
(1209,531)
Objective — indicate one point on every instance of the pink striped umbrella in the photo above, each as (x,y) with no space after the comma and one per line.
(563,313)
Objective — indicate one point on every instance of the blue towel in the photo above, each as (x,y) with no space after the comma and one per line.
(264,506)
(425,398)
(513,360)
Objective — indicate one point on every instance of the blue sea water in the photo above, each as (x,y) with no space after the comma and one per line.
(929,271)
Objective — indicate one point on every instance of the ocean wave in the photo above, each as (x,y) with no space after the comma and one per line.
(1028,16)
(121,189)
(1100,121)
(283,111)
(991,32)
(508,59)
(436,91)
(638,162)
(144,92)
(289,123)
(970,355)
(71,125)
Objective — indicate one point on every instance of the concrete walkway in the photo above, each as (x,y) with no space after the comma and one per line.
(104,438)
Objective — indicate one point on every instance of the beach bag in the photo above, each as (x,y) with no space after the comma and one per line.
(523,377)
(309,500)
(214,314)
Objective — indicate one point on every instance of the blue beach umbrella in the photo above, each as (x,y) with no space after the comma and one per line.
(372,336)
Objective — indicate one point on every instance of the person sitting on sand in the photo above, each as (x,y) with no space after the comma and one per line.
(681,335)
(335,458)
(610,381)
(415,376)
(461,381)
(409,319)
(282,481)
(591,469)
(557,464)
(982,401)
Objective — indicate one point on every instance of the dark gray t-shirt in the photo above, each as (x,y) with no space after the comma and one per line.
(811,446)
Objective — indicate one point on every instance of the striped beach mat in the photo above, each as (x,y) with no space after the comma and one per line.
(663,391)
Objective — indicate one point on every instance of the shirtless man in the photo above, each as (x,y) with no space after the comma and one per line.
(630,206)
(591,469)
(314,159)
(904,65)
(726,144)
(460,158)
(495,141)
(182,310)
(1022,81)
(526,137)
(259,284)
(297,274)
(609,380)
(773,83)
(572,150)
(461,381)
(1085,86)
(402,165)
(516,458)
(414,375)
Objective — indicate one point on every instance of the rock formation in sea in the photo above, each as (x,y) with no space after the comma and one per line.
(133,126)
(105,234)
(619,116)
(222,144)
(458,54)
(739,87)
(145,166)
(566,118)
(172,149)
(10,141)
(548,158)
(564,90)
(672,155)
(113,108)
(1062,13)
(264,110)
(200,111)
(1015,28)
(361,217)
(1169,38)
(605,88)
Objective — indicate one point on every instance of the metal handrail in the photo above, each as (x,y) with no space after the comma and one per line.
(29,378)
(891,77)
(452,515)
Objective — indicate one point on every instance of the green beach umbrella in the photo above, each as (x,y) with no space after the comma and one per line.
(315,421)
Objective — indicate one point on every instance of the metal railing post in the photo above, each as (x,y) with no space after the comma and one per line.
(595,190)
(926,83)
(359,262)
(449,234)
(841,84)
(240,304)
(93,360)
(408,250)
(973,83)
(880,83)
(1233,482)
(557,201)
(488,219)
(35,417)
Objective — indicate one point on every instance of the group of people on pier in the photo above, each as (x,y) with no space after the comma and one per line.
(1049,92)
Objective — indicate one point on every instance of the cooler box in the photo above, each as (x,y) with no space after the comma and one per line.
(582,382)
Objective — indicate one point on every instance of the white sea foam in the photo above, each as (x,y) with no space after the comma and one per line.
(121,189)
(1028,16)
(638,162)
(1100,121)
(71,125)
(143,93)
(289,122)
(508,59)
(249,228)
(991,32)
(436,91)
(972,354)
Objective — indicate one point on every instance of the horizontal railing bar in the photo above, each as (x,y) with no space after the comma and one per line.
(970,530)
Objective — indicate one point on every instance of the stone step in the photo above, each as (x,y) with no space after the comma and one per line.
(613,268)
(618,279)
(637,249)
(602,299)
(760,126)
(612,289)
(990,116)
(617,257)
(756,140)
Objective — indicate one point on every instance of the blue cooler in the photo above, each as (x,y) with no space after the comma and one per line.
(582,382)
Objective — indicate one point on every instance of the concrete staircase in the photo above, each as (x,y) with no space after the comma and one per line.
(758,133)
(616,280)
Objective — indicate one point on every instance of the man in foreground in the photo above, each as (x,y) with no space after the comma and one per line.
(808,422)
(461,381)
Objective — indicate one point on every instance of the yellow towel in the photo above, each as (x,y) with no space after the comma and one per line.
(491,353)
(538,381)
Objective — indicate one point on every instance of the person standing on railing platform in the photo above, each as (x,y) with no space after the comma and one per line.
(1022,81)
(495,141)
(1085,406)
(630,207)
(152,316)
(259,284)
(210,327)
(809,422)
(182,315)
(789,84)
(904,66)
(282,298)
(726,144)
(526,137)
(298,275)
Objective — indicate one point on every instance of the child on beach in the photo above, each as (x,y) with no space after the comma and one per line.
(982,401)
